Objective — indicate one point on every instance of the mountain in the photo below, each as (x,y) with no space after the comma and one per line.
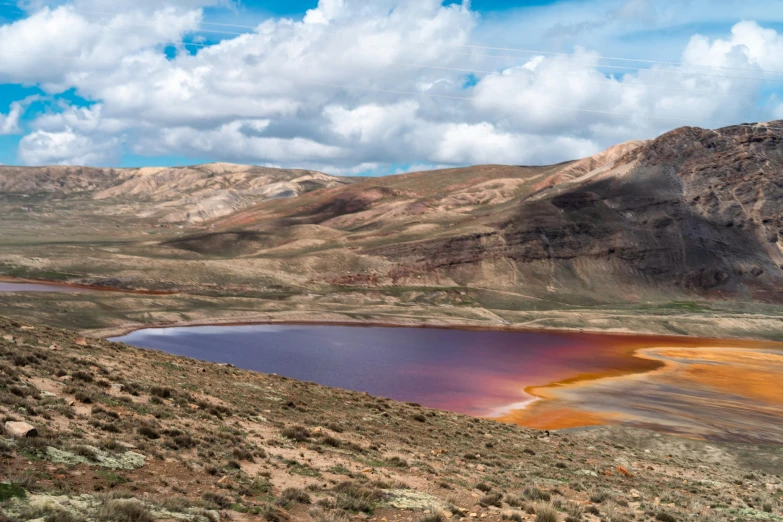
(692,211)
(125,434)
(679,234)
(177,194)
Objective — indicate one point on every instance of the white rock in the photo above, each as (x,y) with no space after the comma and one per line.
(20,430)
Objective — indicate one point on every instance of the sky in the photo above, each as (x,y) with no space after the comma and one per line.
(358,87)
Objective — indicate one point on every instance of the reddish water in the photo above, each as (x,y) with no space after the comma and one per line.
(474,372)
(39,287)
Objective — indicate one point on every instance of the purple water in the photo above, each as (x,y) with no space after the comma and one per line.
(473,372)
(38,287)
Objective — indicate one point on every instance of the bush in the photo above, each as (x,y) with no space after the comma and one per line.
(217,499)
(242,454)
(491,499)
(294,495)
(163,393)
(665,517)
(434,517)
(354,497)
(546,513)
(297,433)
(149,432)
(483,486)
(124,511)
(60,516)
(514,501)
(81,376)
(536,494)
(397,462)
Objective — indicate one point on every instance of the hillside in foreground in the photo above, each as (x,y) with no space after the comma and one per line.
(130,435)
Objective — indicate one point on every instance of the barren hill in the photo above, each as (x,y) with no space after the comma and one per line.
(125,434)
(691,221)
(694,210)
(177,194)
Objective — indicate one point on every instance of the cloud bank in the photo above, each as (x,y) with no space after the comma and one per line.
(356,86)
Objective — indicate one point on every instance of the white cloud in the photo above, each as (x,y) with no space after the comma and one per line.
(337,90)
(65,148)
(9,123)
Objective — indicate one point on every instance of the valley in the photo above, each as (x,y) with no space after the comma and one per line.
(679,238)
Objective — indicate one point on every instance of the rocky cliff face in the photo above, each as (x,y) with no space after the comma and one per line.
(696,209)
(693,211)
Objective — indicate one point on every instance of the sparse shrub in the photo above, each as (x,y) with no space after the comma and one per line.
(294,495)
(122,510)
(297,433)
(433,517)
(8,491)
(491,499)
(82,376)
(86,452)
(221,501)
(514,500)
(574,511)
(419,418)
(331,441)
(184,441)
(665,517)
(84,397)
(397,462)
(598,497)
(318,515)
(149,432)
(274,514)
(162,392)
(60,516)
(242,454)
(546,513)
(536,494)
(352,496)
(335,427)
(483,486)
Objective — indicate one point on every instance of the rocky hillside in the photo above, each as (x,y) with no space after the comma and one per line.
(97,431)
(172,195)
(682,234)
(694,211)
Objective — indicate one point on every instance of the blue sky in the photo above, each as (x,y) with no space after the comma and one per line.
(351,87)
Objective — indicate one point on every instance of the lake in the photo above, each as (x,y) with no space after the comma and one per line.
(39,287)
(474,372)
(724,390)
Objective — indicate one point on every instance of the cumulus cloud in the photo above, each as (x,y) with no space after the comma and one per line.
(358,86)
(65,148)
(9,123)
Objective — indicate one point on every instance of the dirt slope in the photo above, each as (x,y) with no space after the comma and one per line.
(129,434)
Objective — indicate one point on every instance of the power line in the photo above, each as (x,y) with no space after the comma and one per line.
(532,74)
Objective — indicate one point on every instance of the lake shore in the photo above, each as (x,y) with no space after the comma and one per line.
(721,393)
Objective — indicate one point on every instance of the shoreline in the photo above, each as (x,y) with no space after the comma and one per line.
(726,376)
(93,288)
(544,408)
(123,330)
